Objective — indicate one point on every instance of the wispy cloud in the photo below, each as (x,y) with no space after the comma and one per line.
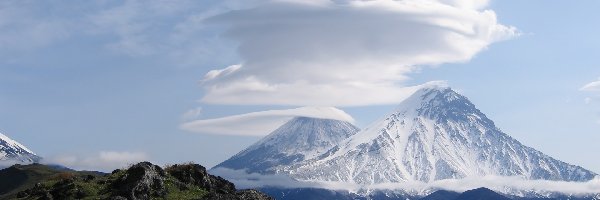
(591,87)
(192,114)
(102,161)
(24,28)
(261,123)
(346,53)
(171,31)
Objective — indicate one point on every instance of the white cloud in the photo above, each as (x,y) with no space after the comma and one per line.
(192,114)
(139,27)
(103,161)
(261,123)
(591,87)
(171,31)
(469,4)
(244,180)
(497,183)
(594,88)
(346,53)
(217,73)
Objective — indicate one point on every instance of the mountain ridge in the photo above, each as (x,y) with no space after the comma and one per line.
(435,134)
(13,151)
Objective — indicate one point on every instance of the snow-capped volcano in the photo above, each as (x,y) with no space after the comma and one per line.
(12,151)
(301,138)
(434,134)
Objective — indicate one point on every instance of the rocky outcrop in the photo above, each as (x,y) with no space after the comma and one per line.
(139,182)
(217,187)
(196,174)
(251,194)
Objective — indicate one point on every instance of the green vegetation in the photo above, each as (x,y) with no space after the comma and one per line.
(24,182)
(143,180)
(20,177)
(182,191)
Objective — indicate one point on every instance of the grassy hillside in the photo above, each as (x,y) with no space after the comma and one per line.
(141,181)
(21,177)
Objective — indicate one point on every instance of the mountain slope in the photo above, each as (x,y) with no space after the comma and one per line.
(19,177)
(434,134)
(299,139)
(140,181)
(12,151)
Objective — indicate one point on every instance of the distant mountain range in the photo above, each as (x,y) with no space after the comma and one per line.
(436,134)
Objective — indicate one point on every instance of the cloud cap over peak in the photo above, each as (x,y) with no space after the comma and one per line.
(263,122)
(314,53)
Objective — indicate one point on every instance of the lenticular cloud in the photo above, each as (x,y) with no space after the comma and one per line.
(315,52)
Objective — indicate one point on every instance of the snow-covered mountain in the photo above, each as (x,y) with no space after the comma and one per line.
(13,152)
(301,138)
(434,134)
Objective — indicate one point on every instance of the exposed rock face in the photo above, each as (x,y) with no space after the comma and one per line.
(196,174)
(251,194)
(141,181)
(217,187)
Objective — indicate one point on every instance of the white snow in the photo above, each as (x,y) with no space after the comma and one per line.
(14,144)
(434,139)
(299,139)
(13,150)
(436,134)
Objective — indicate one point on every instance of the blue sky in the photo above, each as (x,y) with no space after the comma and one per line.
(111,81)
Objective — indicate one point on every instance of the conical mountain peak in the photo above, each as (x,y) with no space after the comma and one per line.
(441,104)
(299,139)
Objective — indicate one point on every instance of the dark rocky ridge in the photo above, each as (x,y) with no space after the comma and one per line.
(140,181)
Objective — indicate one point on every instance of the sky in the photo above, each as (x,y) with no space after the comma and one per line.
(100,84)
